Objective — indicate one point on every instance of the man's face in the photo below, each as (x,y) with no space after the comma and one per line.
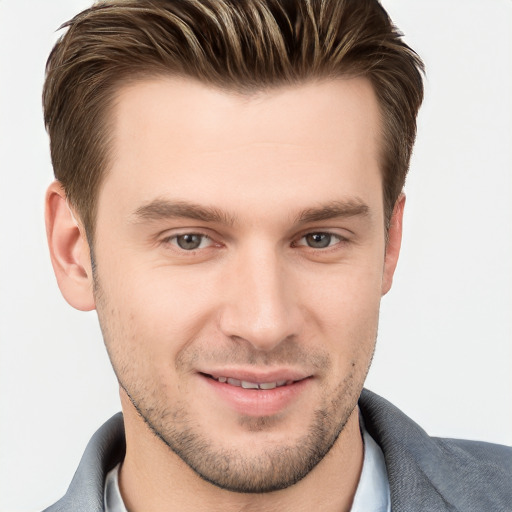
(240,245)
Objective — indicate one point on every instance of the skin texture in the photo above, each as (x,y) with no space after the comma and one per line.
(264,182)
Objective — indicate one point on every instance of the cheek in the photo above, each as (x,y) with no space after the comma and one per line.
(149,317)
(344,313)
(345,296)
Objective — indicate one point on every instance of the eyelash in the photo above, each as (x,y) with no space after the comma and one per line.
(339,239)
(173,240)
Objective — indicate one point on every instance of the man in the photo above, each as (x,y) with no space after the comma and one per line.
(229,199)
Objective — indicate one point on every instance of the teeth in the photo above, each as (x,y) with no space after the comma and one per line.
(268,385)
(253,385)
(249,385)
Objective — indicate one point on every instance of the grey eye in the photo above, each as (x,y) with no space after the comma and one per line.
(318,240)
(189,242)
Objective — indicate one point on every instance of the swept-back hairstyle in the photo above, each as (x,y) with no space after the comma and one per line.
(239,45)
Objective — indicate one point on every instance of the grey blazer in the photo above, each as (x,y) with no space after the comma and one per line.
(425,474)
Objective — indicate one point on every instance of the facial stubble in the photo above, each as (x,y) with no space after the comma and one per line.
(270,469)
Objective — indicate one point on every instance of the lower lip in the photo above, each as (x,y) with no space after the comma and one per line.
(257,402)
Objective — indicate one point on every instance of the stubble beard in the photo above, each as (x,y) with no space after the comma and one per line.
(271,469)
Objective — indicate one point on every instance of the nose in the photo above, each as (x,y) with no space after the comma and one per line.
(260,305)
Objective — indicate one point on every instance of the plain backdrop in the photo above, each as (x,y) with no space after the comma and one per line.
(444,351)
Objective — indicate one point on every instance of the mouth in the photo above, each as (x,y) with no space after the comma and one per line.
(257,393)
(245,384)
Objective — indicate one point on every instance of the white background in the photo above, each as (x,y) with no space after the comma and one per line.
(444,353)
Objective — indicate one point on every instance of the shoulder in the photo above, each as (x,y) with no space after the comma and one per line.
(104,451)
(487,461)
(437,473)
(485,453)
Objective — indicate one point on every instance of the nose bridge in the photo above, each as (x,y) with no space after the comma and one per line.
(260,305)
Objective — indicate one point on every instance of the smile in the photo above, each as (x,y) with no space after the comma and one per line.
(253,393)
(252,385)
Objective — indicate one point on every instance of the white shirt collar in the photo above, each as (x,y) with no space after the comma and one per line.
(372,494)
(112,498)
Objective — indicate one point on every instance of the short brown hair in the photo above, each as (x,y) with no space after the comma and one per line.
(242,45)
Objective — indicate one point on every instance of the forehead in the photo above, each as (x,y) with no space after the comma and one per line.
(174,136)
(186,107)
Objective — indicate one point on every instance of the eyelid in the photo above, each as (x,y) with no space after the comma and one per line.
(167,240)
(340,237)
(173,241)
(174,232)
(170,236)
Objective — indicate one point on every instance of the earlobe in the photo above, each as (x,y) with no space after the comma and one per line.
(393,244)
(69,250)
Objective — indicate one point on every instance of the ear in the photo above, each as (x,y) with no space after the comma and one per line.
(69,250)
(393,244)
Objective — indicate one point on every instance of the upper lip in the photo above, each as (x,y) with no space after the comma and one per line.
(258,376)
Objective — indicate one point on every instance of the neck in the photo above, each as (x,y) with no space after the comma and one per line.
(154,478)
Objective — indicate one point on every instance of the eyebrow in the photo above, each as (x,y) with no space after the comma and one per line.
(333,210)
(161,209)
